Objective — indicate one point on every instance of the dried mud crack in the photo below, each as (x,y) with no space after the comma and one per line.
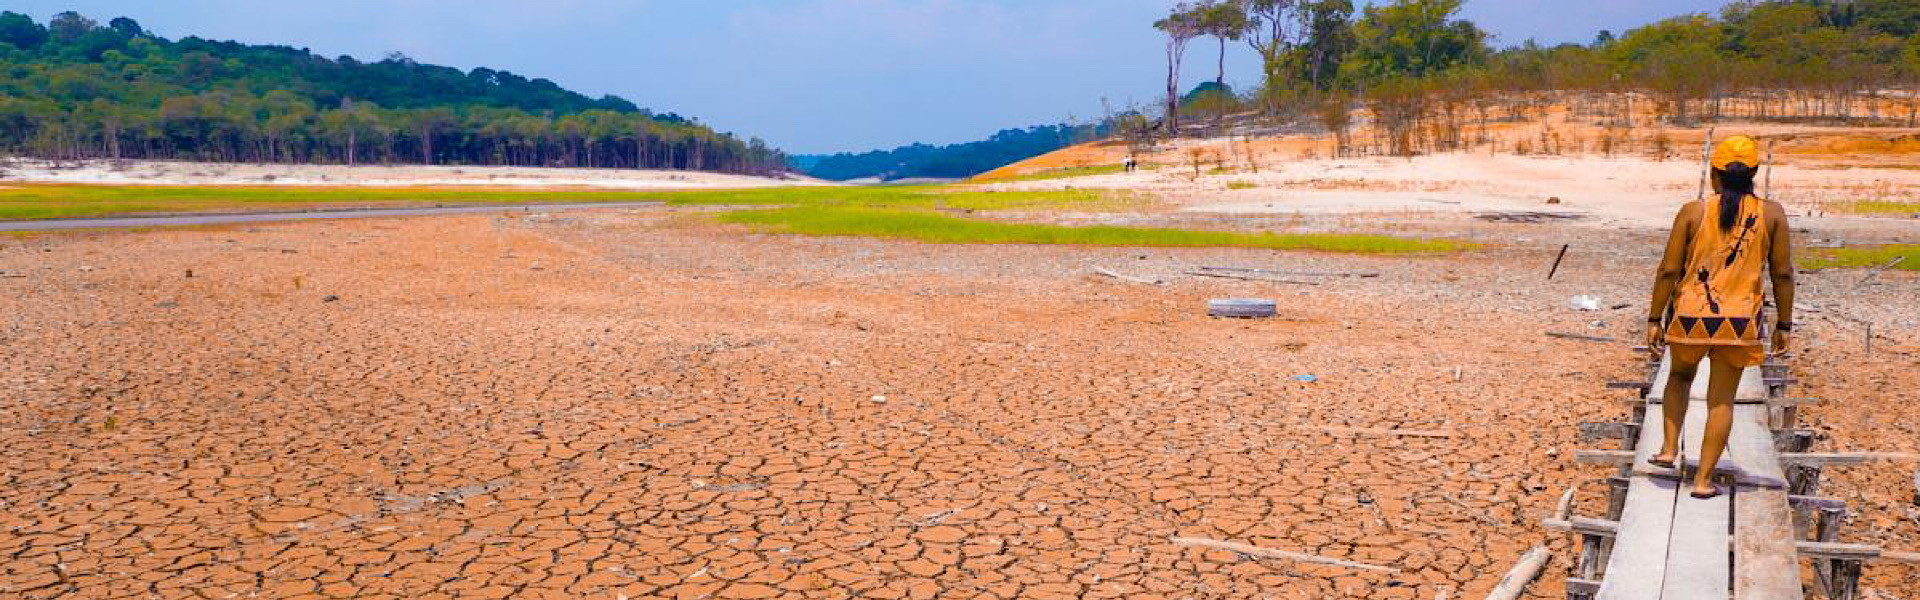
(618,402)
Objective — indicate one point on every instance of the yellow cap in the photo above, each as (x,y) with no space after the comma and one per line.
(1736,149)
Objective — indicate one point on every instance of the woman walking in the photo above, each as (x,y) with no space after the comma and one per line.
(1711,280)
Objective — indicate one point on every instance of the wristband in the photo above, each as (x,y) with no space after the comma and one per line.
(1653,319)
(1784,326)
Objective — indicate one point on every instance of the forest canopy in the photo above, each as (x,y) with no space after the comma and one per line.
(75,89)
(951,161)
(1417,69)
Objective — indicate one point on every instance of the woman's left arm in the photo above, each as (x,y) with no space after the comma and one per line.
(1780,267)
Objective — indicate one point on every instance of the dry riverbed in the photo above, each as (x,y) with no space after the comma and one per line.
(638,402)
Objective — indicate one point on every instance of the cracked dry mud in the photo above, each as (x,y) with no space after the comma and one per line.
(619,403)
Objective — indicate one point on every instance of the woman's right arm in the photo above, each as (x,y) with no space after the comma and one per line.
(1673,267)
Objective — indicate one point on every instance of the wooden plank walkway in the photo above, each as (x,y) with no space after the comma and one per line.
(1736,546)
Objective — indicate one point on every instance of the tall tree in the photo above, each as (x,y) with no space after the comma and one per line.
(1181,26)
(1268,26)
(1328,30)
(1224,20)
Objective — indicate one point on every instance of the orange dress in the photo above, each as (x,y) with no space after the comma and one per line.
(1720,298)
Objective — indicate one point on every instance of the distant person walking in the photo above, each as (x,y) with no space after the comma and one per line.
(1130,163)
(1711,279)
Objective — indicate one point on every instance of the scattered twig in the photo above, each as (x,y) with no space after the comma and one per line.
(1258,552)
(1359,274)
(1252,278)
(1109,273)
(1583,338)
(1522,574)
(1878,270)
(13,275)
(1556,261)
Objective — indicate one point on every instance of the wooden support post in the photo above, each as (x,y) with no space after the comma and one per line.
(1616,496)
(1804,507)
(1803,480)
(1827,529)
(1625,433)
(1582,589)
(1792,440)
(1593,559)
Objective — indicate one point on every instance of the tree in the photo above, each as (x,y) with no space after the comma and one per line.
(349,123)
(1413,38)
(69,26)
(126,27)
(1181,27)
(21,31)
(1328,26)
(1267,27)
(1224,20)
(427,124)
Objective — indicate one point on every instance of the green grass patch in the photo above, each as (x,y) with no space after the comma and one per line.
(53,201)
(1241,185)
(1865,256)
(40,201)
(936,228)
(912,196)
(1881,207)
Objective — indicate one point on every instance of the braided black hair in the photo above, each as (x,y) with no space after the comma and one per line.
(1734,183)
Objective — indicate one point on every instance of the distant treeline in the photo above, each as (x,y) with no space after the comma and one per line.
(74,89)
(1422,75)
(952,161)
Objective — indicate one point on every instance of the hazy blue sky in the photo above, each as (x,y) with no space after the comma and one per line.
(806,75)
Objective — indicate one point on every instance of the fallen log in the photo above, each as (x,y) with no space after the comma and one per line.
(1522,575)
(1258,552)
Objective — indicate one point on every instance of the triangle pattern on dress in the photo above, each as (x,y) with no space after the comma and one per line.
(1713,324)
(1739,326)
(1687,323)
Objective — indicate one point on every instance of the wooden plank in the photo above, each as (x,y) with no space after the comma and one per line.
(1587,456)
(1827,459)
(1766,566)
(1698,561)
(1638,563)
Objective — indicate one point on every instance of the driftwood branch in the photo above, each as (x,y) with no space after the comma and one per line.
(1522,574)
(1878,270)
(1583,338)
(1109,273)
(1258,552)
(1367,274)
(1251,278)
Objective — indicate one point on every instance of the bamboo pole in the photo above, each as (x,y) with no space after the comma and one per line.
(1706,162)
(1523,573)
